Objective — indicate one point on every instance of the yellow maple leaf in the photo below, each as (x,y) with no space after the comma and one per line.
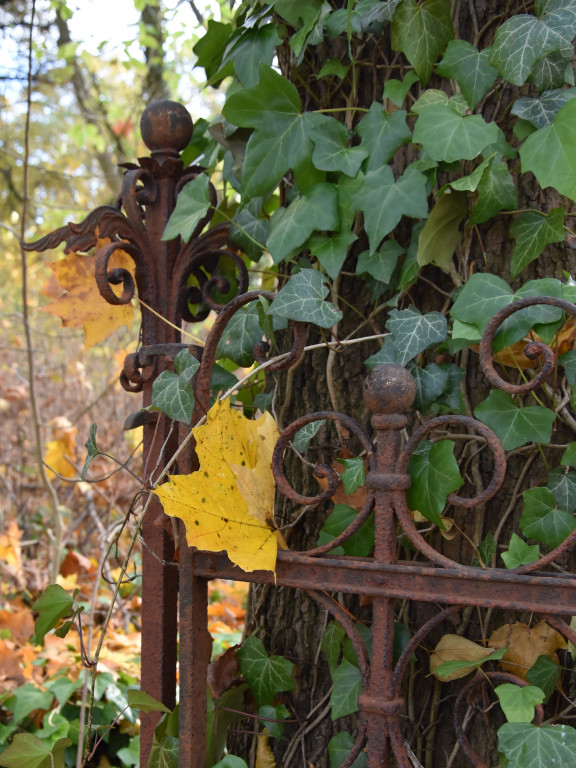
(228,504)
(82,304)
(62,449)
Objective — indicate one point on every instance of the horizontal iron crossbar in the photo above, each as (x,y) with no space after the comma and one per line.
(491,587)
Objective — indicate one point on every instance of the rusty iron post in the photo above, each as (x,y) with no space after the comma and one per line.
(164,268)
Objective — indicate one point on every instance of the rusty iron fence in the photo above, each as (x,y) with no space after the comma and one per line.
(175,599)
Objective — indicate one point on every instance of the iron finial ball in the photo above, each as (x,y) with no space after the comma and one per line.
(389,388)
(166,127)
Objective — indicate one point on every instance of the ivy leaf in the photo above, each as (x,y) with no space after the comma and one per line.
(544,674)
(553,70)
(381,263)
(241,334)
(524,39)
(529,746)
(382,133)
(28,751)
(542,520)
(413,332)
(520,553)
(192,206)
(354,474)
(249,230)
(396,90)
(386,354)
(273,97)
(302,438)
(333,67)
(331,151)
(279,712)
(266,675)
(331,251)
(569,456)
(550,153)
(92,449)
(254,47)
(331,643)
(347,681)
(421,32)
(515,426)
(302,298)
(230,761)
(435,475)
(518,701)
(339,748)
(143,701)
(360,544)
(317,208)
(384,201)
(496,192)
(447,136)
(563,486)
(52,605)
(470,68)
(430,384)
(541,112)
(172,392)
(210,48)
(533,233)
(25,699)
(441,233)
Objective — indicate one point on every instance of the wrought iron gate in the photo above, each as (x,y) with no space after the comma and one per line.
(136,224)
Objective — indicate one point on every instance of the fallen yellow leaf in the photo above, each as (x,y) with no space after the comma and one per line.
(525,644)
(82,304)
(264,755)
(228,504)
(456,648)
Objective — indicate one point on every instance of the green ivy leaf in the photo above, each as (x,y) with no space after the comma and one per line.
(386,354)
(447,136)
(278,712)
(143,701)
(435,475)
(533,233)
(241,334)
(172,392)
(396,90)
(413,332)
(27,751)
(266,675)
(441,233)
(92,449)
(331,250)
(518,701)
(384,201)
(302,438)
(254,47)
(354,474)
(302,298)
(249,230)
(347,681)
(553,70)
(522,40)
(331,643)
(563,486)
(331,150)
(317,208)
(544,674)
(470,68)
(421,32)
(541,519)
(519,553)
(515,426)
(529,746)
(569,456)
(381,263)
(210,48)
(360,544)
(496,192)
(550,153)
(52,605)
(230,761)
(273,97)
(192,206)
(541,112)
(445,669)
(430,384)
(25,699)
(382,134)
(339,748)
(333,67)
